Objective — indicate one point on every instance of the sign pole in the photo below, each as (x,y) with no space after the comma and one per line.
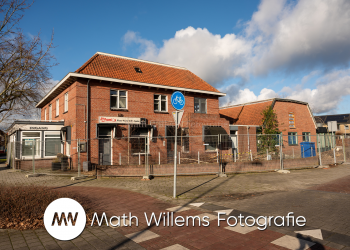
(178,103)
(175,152)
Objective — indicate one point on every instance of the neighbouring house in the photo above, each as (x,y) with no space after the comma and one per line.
(295,119)
(342,123)
(119,109)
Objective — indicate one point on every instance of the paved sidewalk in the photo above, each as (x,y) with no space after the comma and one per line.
(118,202)
(321,195)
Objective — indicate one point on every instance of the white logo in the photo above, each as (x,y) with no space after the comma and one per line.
(64,219)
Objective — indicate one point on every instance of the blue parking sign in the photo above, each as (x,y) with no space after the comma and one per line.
(178,100)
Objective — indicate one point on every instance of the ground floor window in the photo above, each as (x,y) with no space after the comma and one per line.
(292,138)
(306,136)
(53,144)
(31,144)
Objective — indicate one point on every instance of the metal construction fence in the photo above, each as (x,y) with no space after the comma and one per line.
(145,155)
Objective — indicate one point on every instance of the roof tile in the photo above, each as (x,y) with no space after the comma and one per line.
(123,68)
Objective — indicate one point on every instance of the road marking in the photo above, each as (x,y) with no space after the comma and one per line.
(227,212)
(316,233)
(178,209)
(142,236)
(197,204)
(293,243)
(242,230)
(175,247)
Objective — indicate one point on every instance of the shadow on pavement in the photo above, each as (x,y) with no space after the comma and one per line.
(91,179)
(191,201)
(305,245)
(197,186)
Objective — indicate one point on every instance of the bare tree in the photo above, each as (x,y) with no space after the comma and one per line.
(24,63)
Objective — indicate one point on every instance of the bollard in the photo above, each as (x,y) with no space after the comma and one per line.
(159,157)
(139,159)
(293,153)
(179,158)
(319,151)
(78,148)
(217,156)
(234,154)
(198,157)
(344,151)
(33,155)
(251,156)
(267,154)
(120,158)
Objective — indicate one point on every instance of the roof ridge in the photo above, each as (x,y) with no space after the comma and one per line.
(247,103)
(86,63)
(140,60)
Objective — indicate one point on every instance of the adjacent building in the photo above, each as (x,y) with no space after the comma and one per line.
(295,120)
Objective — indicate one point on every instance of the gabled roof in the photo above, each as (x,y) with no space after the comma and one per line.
(114,68)
(250,113)
(341,118)
(247,113)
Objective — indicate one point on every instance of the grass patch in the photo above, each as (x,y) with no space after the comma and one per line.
(23,207)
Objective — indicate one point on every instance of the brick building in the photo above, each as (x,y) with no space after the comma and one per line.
(295,119)
(120,107)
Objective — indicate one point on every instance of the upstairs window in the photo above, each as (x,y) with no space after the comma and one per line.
(50,112)
(160,103)
(57,107)
(200,105)
(66,102)
(291,120)
(118,99)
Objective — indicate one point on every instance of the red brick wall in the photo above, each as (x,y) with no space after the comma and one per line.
(140,103)
(303,122)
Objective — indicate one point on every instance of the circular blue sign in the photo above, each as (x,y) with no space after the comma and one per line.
(178,100)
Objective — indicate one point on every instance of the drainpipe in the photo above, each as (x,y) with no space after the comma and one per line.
(248,138)
(88,121)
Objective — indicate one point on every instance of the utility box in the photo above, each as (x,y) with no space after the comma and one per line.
(307,149)
(87,166)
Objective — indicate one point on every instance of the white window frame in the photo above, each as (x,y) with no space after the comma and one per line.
(57,107)
(160,103)
(44,144)
(65,102)
(118,95)
(50,112)
(206,104)
(37,156)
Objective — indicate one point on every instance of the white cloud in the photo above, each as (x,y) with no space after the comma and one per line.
(212,57)
(303,36)
(325,97)
(308,34)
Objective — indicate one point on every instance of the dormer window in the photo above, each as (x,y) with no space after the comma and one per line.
(138,70)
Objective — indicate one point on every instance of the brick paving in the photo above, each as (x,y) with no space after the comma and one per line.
(302,192)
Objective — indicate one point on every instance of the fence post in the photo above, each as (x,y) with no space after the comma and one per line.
(78,148)
(13,158)
(33,155)
(120,158)
(281,152)
(179,158)
(293,153)
(251,156)
(333,139)
(319,150)
(234,154)
(198,157)
(217,155)
(267,154)
(344,151)
(139,159)
(159,157)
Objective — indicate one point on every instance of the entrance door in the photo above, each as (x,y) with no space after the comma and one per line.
(104,145)
(233,135)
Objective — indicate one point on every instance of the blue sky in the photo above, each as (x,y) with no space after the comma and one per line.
(250,50)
